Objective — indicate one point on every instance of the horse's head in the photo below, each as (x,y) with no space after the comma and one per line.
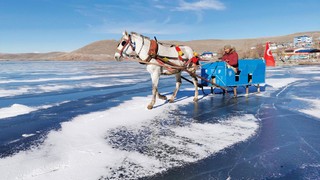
(125,47)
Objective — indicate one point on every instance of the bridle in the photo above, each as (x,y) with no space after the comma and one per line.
(126,43)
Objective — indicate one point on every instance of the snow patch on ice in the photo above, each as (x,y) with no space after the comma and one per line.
(53,79)
(14,92)
(211,138)
(316,78)
(15,110)
(44,88)
(27,135)
(276,83)
(83,148)
(20,109)
(307,70)
(314,110)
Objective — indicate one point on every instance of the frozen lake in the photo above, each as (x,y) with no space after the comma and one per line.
(88,120)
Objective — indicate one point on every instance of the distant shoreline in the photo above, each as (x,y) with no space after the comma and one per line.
(278,63)
(298,62)
(104,49)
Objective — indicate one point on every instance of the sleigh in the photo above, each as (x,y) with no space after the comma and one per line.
(251,72)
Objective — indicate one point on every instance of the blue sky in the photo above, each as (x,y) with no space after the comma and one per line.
(66,25)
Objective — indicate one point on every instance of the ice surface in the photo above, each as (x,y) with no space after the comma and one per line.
(127,141)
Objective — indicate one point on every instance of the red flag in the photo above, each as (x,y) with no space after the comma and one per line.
(268,56)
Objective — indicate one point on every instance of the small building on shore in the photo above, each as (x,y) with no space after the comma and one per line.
(208,55)
(302,41)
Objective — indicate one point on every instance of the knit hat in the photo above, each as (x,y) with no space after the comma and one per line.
(227,47)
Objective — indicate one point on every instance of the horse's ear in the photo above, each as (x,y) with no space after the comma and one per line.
(125,33)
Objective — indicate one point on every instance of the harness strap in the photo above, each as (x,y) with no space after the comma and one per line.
(188,62)
(167,57)
(163,64)
(153,50)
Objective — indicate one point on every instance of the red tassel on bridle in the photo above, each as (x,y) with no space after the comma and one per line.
(180,53)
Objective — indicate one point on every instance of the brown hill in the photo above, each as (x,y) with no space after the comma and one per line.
(99,50)
(105,49)
(99,47)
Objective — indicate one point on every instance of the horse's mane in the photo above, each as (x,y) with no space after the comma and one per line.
(140,35)
(162,43)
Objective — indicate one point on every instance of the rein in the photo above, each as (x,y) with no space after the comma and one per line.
(172,66)
(181,68)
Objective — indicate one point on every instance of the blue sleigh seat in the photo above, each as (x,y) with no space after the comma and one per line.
(250,72)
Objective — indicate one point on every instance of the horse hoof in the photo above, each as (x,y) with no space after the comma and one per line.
(171,101)
(150,107)
(195,99)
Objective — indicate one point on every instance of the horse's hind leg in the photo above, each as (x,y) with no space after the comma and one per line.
(178,84)
(163,97)
(154,92)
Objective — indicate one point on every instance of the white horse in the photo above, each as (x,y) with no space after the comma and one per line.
(167,60)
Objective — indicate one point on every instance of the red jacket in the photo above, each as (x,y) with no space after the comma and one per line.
(231,58)
(195,60)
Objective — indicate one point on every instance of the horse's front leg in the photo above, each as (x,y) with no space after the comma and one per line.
(154,93)
(178,84)
(155,76)
(196,92)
